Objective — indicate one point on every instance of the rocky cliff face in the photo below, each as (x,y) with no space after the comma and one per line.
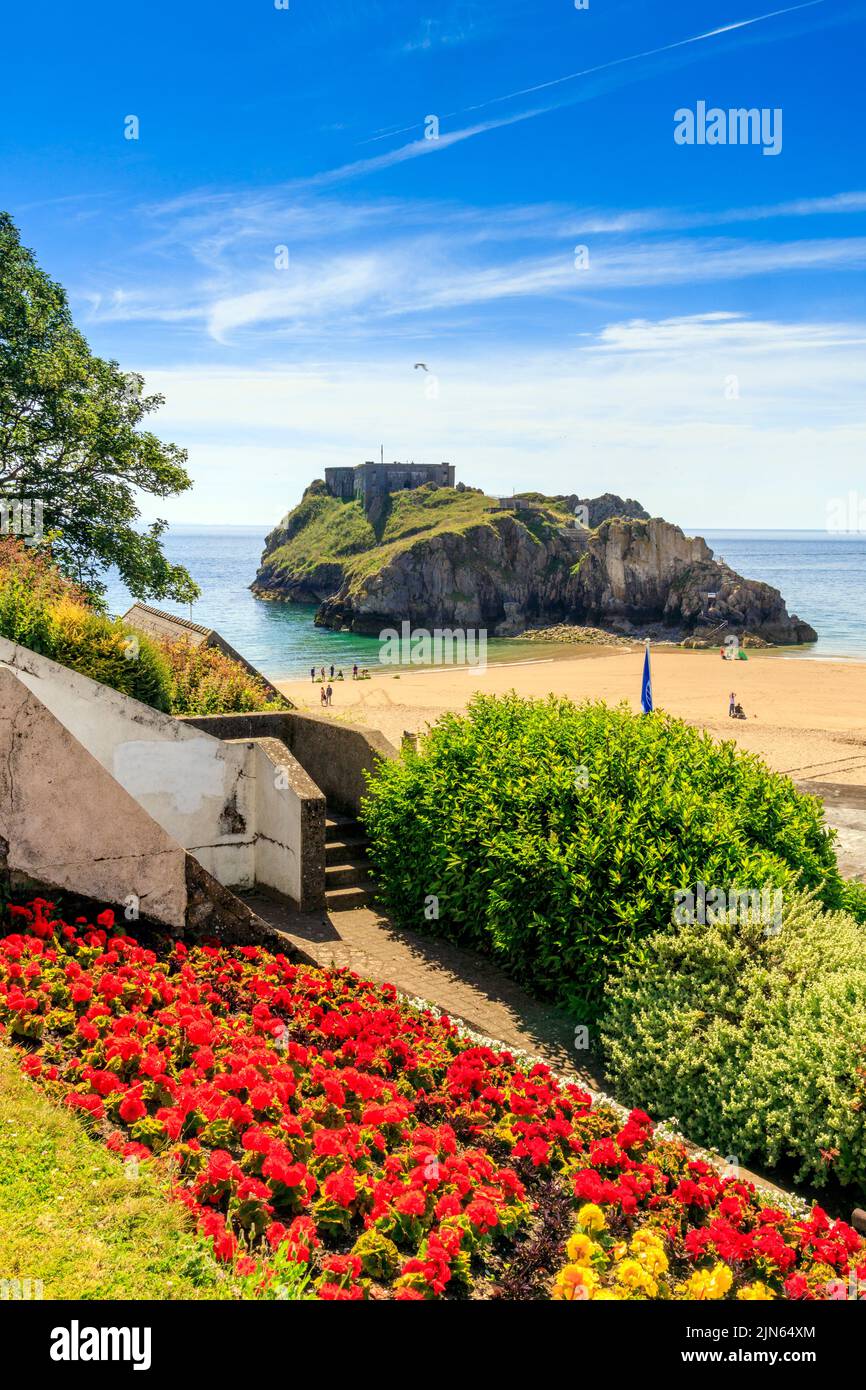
(529,568)
(643,573)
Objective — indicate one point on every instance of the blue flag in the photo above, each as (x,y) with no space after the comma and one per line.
(646,688)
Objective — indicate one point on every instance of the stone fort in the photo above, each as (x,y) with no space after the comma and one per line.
(370,482)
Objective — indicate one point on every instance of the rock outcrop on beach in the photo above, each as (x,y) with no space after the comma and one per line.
(440,557)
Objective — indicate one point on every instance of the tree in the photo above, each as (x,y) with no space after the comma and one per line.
(70,438)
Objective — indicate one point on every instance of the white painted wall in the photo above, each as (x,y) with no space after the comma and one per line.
(220,800)
(278,817)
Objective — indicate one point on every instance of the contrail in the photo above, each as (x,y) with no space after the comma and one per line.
(613,63)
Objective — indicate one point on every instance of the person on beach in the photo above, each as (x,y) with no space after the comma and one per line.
(340,674)
(323,696)
(322,676)
(332,670)
(355,671)
(329,693)
(313,674)
(732,704)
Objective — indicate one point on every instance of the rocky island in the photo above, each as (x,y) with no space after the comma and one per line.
(380,544)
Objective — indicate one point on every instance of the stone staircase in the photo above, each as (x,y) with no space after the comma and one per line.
(348,883)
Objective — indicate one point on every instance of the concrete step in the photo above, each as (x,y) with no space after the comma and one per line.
(346,852)
(343,828)
(346,875)
(342,899)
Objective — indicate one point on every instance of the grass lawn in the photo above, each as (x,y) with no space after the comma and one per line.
(71,1216)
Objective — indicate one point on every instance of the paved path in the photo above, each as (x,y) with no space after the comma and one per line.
(845,807)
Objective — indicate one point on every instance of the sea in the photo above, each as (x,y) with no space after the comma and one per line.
(821,575)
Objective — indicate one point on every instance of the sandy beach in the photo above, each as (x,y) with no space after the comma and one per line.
(804,717)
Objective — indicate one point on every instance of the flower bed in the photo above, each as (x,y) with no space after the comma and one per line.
(311,1117)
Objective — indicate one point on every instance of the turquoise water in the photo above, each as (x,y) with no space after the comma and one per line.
(823,579)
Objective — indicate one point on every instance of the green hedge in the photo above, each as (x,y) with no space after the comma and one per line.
(555,836)
(755,1042)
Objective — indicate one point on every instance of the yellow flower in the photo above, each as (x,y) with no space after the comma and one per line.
(619,1250)
(645,1237)
(575,1282)
(648,1248)
(590,1217)
(709,1283)
(605,1295)
(632,1274)
(580,1249)
(756,1291)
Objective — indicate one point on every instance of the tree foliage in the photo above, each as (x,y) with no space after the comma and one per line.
(71,436)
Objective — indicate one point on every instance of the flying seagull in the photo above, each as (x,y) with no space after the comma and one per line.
(422,364)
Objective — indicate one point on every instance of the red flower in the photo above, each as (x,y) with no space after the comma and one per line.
(132,1107)
(340,1187)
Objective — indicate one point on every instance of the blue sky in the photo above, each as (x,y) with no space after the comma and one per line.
(705,352)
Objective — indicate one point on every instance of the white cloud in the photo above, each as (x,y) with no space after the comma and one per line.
(640,409)
(336,287)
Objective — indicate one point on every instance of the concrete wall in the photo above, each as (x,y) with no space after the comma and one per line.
(213,798)
(333,755)
(337,756)
(65,823)
(290,825)
(195,787)
(340,482)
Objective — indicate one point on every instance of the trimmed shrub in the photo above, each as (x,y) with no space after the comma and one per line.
(554,837)
(755,1042)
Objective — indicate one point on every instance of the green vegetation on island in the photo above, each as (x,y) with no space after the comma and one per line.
(325,531)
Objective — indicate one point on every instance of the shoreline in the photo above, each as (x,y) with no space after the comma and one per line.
(804,718)
(552,650)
